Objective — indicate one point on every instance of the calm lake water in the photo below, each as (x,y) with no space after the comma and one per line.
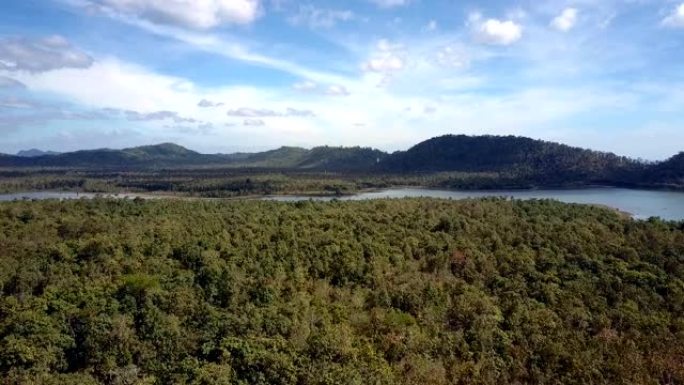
(44,195)
(640,203)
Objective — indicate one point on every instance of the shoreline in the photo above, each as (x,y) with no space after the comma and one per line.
(633,210)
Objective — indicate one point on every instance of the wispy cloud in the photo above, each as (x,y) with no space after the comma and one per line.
(390,3)
(9,83)
(315,17)
(267,113)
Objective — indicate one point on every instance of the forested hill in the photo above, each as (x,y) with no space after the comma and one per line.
(172,155)
(518,161)
(166,154)
(317,158)
(669,173)
(510,154)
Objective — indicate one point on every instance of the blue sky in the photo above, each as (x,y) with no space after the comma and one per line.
(242,75)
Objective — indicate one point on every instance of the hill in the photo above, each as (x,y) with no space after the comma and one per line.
(508,161)
(669,173)
(172,155)
(516,156)
(34,152)
(283,157)
(165,154)
(318,158)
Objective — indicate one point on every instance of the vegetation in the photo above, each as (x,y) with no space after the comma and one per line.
(522,157)
(172,155)
(449,161)
(378,292)
(668,174)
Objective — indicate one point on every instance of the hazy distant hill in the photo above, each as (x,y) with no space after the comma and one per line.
(34,152)
(166,154)
(172,155)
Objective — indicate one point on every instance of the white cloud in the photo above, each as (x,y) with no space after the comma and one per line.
(197,14)
(453,56)
(306,86)
(390,3)
(110,83)
(566,20)
(136,116)
(204,103)
(384,63)
(40,55)
(253,123)
(218,44)
(311,87)
(449,104)
(337,90)
(387,58)
(268,113)
(676,18)
(494,31)
(320,18)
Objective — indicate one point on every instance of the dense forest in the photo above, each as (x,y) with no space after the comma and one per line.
(414,291)
(464,162)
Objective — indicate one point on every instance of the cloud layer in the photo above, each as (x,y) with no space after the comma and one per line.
(197,14)
(380,73)
(50,53)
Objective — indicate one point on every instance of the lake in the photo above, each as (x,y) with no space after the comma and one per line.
(640,203)
(45,195)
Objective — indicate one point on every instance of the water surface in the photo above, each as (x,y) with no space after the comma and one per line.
(640,203)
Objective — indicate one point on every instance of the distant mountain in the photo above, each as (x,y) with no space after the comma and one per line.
(317,158)
(512,155)
(518,160)
(161,155)
(342,158)
(172,155)
(283,157)
(32,153)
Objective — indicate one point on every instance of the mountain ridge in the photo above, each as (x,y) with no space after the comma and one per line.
(34,152)
(523,160)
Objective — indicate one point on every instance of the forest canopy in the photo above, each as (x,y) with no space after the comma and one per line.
(416,291)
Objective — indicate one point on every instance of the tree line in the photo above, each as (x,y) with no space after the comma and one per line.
(414,291)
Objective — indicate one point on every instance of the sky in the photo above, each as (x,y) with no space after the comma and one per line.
(250,75)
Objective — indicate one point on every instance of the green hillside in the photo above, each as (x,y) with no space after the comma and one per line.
(520,156)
